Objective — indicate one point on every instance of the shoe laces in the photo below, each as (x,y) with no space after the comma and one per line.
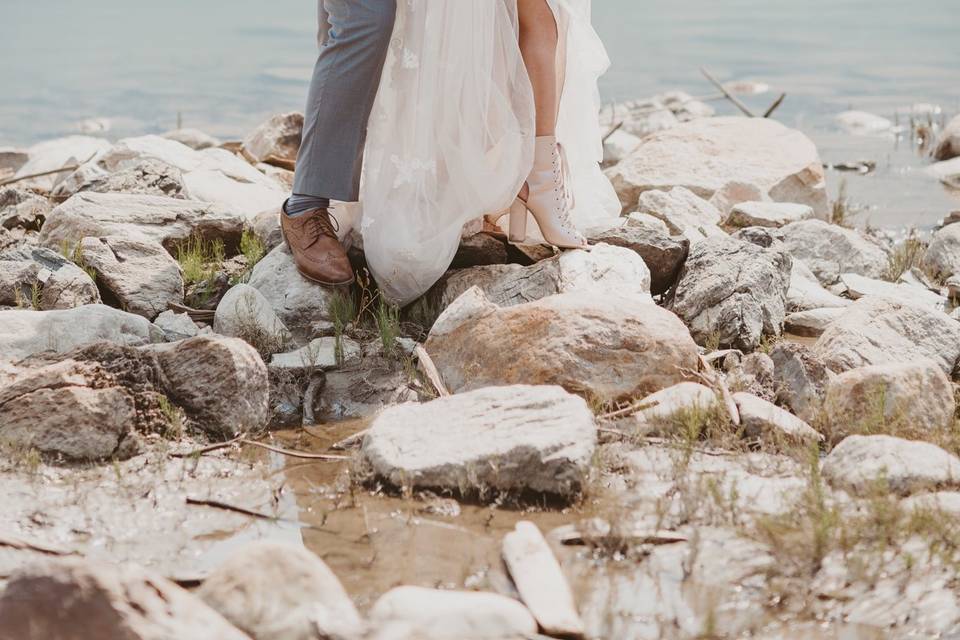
(562,182)
(320,225)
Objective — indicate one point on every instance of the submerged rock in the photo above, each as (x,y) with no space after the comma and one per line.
(140,276)
(734,290)
(917,395)
(606,349)
(859,463)
(877,330)
(948,144)
(497,439)
(418,613)
(830,250)
(94,601)
(278,591)
(540,581)
(24,333)
(707,154)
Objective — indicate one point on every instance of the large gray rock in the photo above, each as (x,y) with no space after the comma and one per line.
(734,290)
(662,408)
(176,326)
(278,591)
(943,253)
(683,212)
(24,333)
(245,313)
(303,306)
(35,272)
(498,439)
(277,139)
(74,599)
(139,275)
(70,409)
(220,382)
(830,250)
(883,331)
(916,395)
(418,613)
(137,217)
(800,379)
(209,175)
(589,343)
(604,268)
(663,254)
(146,176)
(948,144)
(707,154)
(859,463)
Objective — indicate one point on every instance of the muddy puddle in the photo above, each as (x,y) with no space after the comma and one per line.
(183,516)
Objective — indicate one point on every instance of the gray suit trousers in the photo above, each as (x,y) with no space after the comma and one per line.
(354,37)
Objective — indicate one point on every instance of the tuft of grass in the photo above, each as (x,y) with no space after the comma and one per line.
(74,254)
(174,417)
(253,250)
(343,313)
(712,343)
(200,259)
(841,213)
(387,317)
(267,341)
(22,457)
(905,256)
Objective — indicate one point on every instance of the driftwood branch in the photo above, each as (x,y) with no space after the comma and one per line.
(29,176)
(612,131)
(253,443)
(430,370)
(776,104)
(732,98)
(350,441)
(635,407)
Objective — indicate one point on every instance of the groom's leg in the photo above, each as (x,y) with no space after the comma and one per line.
(355,35)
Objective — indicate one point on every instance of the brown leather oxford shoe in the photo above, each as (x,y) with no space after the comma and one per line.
(317,252)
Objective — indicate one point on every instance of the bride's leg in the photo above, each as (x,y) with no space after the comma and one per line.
(539,39)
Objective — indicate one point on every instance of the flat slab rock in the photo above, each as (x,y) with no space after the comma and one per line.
(907,466)
(507,439)
(875,330)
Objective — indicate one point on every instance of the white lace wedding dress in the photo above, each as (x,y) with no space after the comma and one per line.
(451,134)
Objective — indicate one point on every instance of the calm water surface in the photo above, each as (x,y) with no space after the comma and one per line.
(225,65)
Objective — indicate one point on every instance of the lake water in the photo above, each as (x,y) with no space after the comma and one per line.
(224,66)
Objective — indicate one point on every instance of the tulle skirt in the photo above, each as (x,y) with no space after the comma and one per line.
(452,130)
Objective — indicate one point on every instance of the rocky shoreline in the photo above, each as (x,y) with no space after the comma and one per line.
(735,417)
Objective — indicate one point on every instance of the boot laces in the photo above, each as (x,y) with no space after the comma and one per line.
(562,181)
(322,225)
